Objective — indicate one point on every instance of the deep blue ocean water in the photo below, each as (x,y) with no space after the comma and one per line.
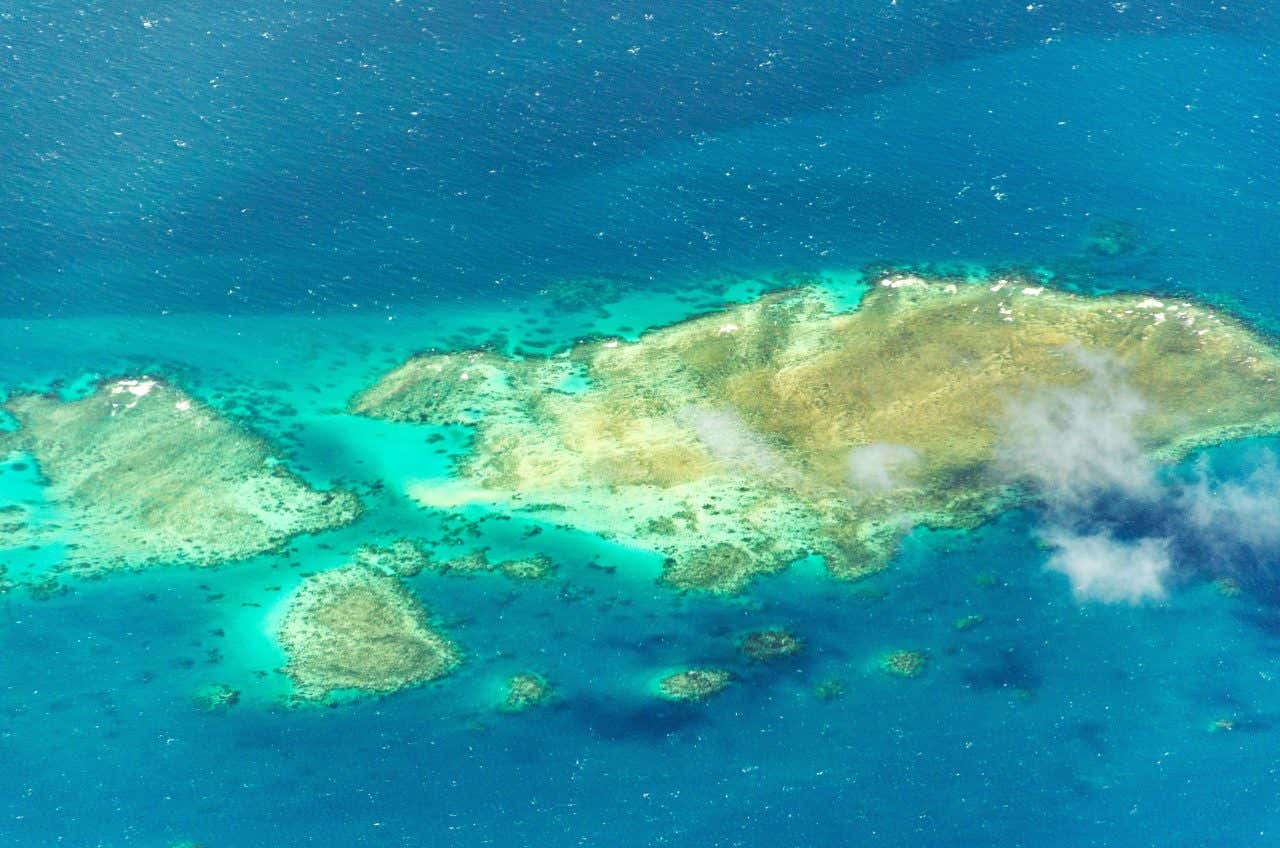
(276,202)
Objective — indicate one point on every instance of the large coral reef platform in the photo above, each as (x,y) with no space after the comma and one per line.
(145,474)
(738,442)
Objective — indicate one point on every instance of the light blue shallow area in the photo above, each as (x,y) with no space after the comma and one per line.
(273,204)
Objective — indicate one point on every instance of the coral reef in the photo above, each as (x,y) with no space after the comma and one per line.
(735,443)
(1113,238)
(585,293)
(766,645)
(535,567)
(402,558)
(524,691)
(215,697)
(352,628)
(904,663)
(148,475)
(829,690)
(695,684)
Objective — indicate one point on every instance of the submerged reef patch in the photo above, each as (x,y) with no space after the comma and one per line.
(739,442)
(352,628)
(525,691)
(766,645)
(401,557)
(149,475)
(904,663)
(696,684)
(534,567)
(215,697)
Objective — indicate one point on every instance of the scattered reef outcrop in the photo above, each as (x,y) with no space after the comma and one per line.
(695,684)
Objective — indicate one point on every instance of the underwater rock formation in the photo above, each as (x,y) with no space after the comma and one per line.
(147,475)
(352,628)
(736,443)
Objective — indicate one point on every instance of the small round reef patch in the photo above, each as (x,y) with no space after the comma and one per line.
(525,691)
(696,684)
(352,628)
(904,663)
(766,645)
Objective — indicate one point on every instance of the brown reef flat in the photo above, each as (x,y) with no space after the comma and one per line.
(148,475)
(354,629)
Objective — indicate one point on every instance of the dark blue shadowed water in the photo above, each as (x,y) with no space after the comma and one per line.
(243,196)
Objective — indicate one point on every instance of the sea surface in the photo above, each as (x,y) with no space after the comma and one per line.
(273,203)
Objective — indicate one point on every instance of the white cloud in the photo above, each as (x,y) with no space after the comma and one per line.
(1077,450)
(730,441)
(1073,445)
(1102,568)
(875,466)
(1243,513)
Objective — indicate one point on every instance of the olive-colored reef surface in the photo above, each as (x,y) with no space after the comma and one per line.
(768,645)
(525,691)
(352,628)
(696,684)
(904,663)
(738,442)
(146,475)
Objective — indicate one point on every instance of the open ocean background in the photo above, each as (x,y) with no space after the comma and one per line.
(274,202)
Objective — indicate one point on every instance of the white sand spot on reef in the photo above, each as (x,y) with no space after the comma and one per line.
(137,388)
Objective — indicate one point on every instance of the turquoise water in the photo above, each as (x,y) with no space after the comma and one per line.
(245,200)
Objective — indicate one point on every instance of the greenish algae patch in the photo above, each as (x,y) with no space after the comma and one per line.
(148,475)
(524,691)
(738,442)
(695,684)
(354,629)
